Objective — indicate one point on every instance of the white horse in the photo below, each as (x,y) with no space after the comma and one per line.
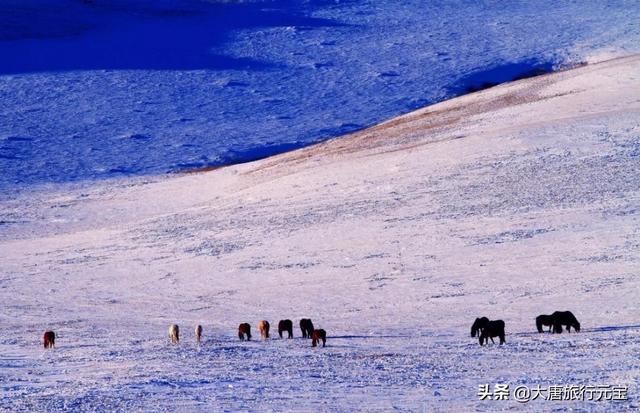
(174,333)
(198,333)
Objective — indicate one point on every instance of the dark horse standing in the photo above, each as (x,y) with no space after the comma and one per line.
(317,336)
(244,330)
(306,326)
(487,329)
(556,321)
(49,339)
(285,325)
(544,320)
(564,318)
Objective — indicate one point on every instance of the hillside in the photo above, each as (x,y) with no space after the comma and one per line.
(104,89)
(511,202)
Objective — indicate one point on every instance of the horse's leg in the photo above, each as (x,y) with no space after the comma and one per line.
(492,342)
(502,341)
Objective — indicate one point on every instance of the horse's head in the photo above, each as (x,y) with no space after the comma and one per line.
(479,324)
(576,325)
(539,323)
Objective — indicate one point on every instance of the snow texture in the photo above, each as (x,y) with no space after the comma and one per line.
(511,202)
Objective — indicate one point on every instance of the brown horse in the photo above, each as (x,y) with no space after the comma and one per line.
(306,326)
(49,339)
(285,325)
(318,335)
(263,327)
(244,329)
(198,332)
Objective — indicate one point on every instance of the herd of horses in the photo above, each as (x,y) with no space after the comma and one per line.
(244,331)
(484,328)
(487,329)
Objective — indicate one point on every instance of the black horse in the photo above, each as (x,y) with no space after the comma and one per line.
(285,325)
(306,326)
(564,318)
(488,330)
(544,320)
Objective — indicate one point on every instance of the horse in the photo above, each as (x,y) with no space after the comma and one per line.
(285,325)
(478,325)
(263,327)
(306,326)
(487,330)
(564,318)
(492,329)
(318,335)
(198,332)
(244,329)
(174,334)
(544,320)
(49,339)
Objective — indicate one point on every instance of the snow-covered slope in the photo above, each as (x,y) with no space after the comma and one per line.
(511,202)
(104,88)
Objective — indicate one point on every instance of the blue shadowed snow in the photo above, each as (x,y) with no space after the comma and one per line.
(493,76)
(94,89)
(134,35)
